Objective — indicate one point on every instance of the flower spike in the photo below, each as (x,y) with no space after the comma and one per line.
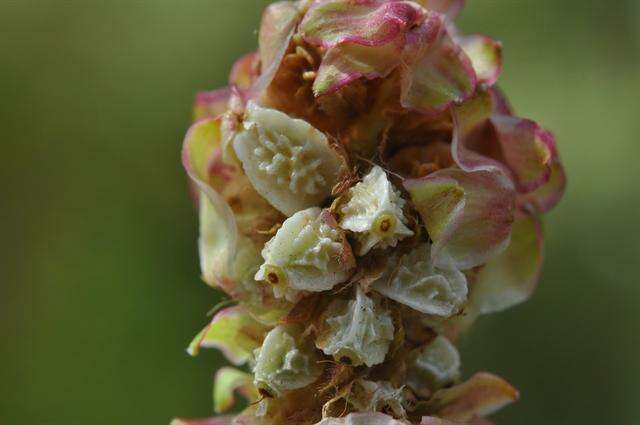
(366,193)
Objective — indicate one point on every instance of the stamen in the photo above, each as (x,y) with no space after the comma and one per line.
(306,55)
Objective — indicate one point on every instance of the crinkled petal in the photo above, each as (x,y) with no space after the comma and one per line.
(437,73)
(210,104)
(450,8)
(415,282)
(511,278)
(285,362)
(308,253)
(348,62)
(363,419)
(278,25)
(218,230)
(359,331)
(482,395)
(227,382)
(244,71)
(485,55)
(234,332)
(468,215)
(365,22)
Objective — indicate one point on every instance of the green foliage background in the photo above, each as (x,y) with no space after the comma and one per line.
(99,287)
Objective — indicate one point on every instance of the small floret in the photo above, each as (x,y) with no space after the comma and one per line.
(374,212)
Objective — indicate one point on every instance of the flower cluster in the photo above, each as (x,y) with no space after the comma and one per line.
(365,193)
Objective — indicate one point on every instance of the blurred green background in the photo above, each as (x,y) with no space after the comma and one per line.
(99,287)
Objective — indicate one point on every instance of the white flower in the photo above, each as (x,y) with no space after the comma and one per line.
(283,364)
(417,283)
(359,330)
(289,162)
(374,212)
(308,253)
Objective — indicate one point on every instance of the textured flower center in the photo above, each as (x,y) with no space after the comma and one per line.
(275,276)
(289,162)
(385,224)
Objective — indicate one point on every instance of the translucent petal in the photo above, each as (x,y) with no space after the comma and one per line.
(547,196)
(348,62)
(435,366)
(485,55)
(278,25)
(468,215)
(218,230)
(482,395)
(234,332)
(511,278)
(210,104)
(368,23)
(436,72)
(244,71)
(227,382)
(487,137)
